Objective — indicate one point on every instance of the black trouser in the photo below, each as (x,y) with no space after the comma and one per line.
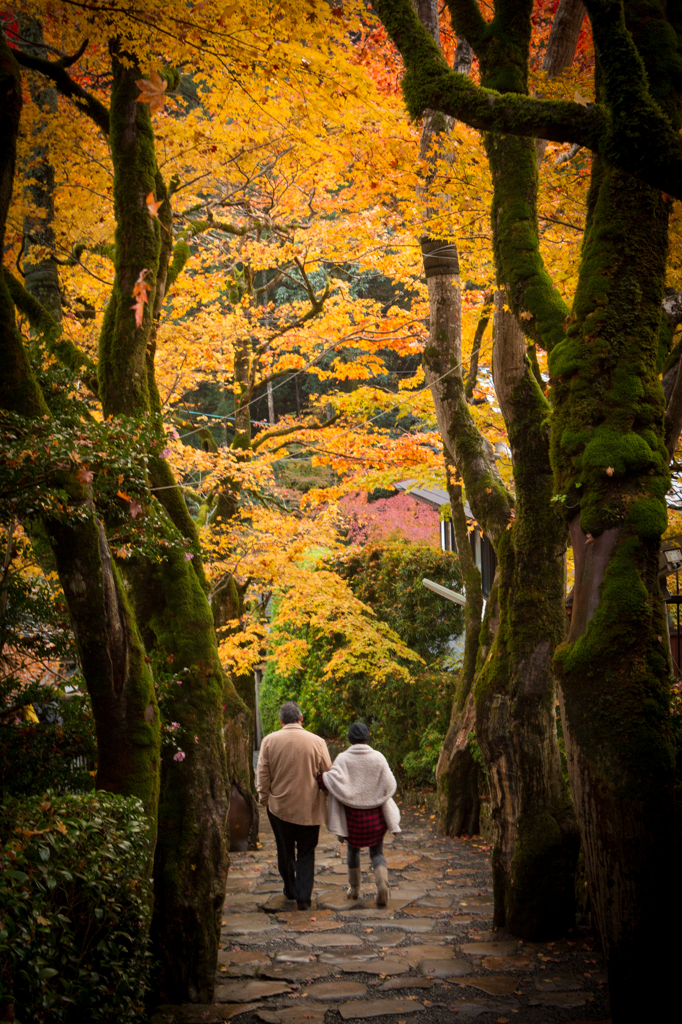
(376,855)
(295,856)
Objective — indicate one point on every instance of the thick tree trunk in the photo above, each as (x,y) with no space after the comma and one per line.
(611,463)
(169,595)
(112,658)
(41,277)
(457,773)
(536,837)
(227,602)
(536,845)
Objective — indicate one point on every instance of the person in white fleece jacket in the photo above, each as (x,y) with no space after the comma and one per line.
(360,808)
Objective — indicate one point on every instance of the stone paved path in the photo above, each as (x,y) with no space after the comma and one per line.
(430,957)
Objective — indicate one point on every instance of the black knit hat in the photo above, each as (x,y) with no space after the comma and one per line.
(358,733)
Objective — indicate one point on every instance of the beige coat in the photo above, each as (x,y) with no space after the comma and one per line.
(286,776)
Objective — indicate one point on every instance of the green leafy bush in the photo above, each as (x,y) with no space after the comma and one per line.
(63,757)
(75,904)
(388,577)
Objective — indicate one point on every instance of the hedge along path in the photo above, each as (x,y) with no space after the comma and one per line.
(429,957)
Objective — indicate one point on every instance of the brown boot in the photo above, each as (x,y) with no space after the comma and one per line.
(381,879)
(354,883)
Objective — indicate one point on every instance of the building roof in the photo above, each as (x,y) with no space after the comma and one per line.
(433,496)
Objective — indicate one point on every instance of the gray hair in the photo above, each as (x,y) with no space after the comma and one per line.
(290,712)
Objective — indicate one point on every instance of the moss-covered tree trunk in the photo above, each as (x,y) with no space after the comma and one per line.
(535,847)
(611,463)
(112,657)
(608,454)
(227,602)
(41,276)
(168,594)
(457,772)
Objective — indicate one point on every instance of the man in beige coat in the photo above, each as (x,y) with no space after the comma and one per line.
(286,779)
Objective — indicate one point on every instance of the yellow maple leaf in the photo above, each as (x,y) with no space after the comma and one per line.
(152,91)
(153,205)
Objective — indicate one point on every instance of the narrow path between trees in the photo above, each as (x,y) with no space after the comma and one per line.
(429,956)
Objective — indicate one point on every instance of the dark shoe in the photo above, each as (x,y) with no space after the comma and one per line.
(303,904)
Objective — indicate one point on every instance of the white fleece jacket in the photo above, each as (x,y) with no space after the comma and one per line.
(360,777)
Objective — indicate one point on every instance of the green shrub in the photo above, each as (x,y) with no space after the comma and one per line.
(34,757)
(388,577)
(75,904)
(420,765)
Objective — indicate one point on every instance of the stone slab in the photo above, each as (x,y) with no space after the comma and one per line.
(399,861)
(424,912)
(248,924)
(325,940)
(444,968)
(362,913)
(240,971)
(247,991)
(508,963)
(339,959)
(302,973)
(338,902)
(384,938)
(293,956)
(440,902)
(560,999)
(377,1008)
(407,891)
(557,983)
(277,904)
(298,917)
(385,968)
(490,948)
(474,1007)
(242,956)
(392,984)
(494,986)
(335,990)
(411,924)
(307,1013)
(241,899)
(415,954)
(312,927)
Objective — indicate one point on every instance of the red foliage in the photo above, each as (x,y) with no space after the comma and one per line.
(399,518)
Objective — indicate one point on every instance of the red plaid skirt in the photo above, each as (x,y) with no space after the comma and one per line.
(366,826)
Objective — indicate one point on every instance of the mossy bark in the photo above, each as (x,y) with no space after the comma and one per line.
(514,695)
(227,602)
(169,595)
(112,657)
(536,846)
(631,129)
(611,463)
(536,843)
(41,277)
(113,660)
(457,773)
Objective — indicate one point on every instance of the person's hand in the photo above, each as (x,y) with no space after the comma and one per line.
(341,839)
